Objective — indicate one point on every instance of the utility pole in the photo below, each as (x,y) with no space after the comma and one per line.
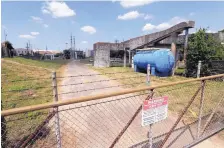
(116,41)
(71,51)
(66,44)
(29,44)
(28,52)
(27,47)
(5,34)
(74,41)
(45,53)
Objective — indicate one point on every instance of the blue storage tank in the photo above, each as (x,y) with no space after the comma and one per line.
(160,59)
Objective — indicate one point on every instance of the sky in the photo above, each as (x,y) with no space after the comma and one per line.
(52,23)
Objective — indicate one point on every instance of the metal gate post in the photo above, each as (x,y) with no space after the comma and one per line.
(55,109)
(201,108)
(148,74)
(150,126)
(199,69)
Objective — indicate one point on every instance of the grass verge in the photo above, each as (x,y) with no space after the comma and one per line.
(26,82)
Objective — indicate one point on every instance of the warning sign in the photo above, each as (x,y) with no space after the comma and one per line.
(154,110)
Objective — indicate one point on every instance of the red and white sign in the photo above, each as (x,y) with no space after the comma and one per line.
(154,110)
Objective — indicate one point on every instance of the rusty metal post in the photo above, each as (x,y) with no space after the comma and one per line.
(55,109)
(201,108)
(199,69)
(179,118)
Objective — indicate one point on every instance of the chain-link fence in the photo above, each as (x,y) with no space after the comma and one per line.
(112,118)
(217,67)
(203,68)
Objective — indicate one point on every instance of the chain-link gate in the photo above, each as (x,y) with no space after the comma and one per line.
(113,119)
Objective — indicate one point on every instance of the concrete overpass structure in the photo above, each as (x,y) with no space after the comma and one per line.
(170,35)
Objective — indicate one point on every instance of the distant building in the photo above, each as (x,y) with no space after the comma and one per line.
(89,53)
(42,52)
(23,51)
(47,54)
(77,54)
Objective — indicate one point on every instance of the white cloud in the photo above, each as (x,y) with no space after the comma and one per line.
(46,25)
(4,27)
(148,27)
(211,31)
(191,14)
(88,29)
(175,20)
(130,15)
(37,19)
(45,11)
(164,25)
(57,9)
(84,42)
(26,36)
(134,3)
(34,33)
(148,17)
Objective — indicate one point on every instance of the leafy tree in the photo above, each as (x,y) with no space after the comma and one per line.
(219,55)
(202,47)
(8,49)
(9,45)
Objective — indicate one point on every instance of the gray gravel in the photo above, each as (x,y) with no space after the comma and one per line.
(98,125)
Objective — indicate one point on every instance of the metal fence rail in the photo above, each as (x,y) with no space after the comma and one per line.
(196,110)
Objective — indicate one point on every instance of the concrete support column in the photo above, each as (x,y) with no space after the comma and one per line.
(185,44)
(129,57)
(125,57)
(173,45)
(132,59)
(174,50)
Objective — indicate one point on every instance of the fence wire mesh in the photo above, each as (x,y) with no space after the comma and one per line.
(99,123)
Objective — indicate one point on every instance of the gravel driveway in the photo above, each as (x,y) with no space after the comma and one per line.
(99,124)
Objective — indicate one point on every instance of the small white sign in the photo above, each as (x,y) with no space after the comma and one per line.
(154,110)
